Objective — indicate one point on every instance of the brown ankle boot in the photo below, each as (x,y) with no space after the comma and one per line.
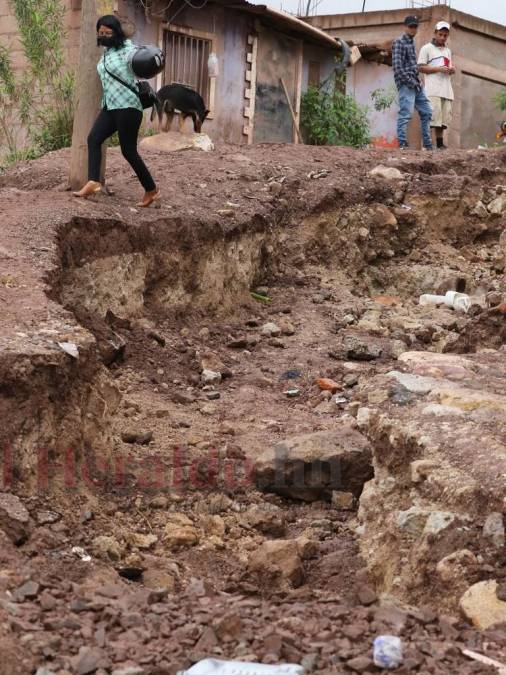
(90,188)
(149,198)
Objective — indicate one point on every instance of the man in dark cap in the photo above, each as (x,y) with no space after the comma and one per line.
(407,79)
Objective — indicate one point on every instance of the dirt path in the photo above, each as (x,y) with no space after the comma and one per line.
(134,531)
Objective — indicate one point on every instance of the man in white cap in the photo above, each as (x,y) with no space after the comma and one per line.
(435,62)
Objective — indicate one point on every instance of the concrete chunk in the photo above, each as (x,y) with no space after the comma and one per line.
(312,466)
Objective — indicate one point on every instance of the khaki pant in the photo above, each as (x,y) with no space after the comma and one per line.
(441,112)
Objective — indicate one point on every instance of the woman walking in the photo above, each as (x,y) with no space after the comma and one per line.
(121,111)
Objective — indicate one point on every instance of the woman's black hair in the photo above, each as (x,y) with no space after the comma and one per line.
(112,22)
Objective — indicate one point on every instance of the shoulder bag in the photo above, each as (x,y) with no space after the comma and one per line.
(143,89)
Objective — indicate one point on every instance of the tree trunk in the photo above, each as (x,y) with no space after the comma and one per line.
(88,91)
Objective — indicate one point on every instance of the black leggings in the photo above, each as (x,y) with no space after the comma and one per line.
(126,122)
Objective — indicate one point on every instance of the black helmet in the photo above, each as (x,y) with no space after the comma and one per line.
(147,61)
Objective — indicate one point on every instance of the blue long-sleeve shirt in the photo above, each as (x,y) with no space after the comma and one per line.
(405,63)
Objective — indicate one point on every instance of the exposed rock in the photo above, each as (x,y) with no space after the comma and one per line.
(14,518)
(180,531)
(212,525)
(139,437)
(312,466)
(417,521)
(386,172)
(414,383)
(343,500)
(287,327)
(481,605)
(266,518)
(455,567)
(421,469)
(392,616)
(107,547)
(412,520)
(360,664)
(498,205)
(142,541)
(111,346)
(210,377)
(383,217)
(129,670)
(366,595)
(182,398)
(271,330)
(281,556)
(217,503)
(494,298)
(438,521)
(158,579)
(173,141)
(29,590)
(308,548)
(89,660)
(480,210)
(230,625)
(159,502)
(48,517)
(361,347)
(494,529)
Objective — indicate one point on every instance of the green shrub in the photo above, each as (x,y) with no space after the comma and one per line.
(331,117)
(383,99)
(500,99)
(42,98)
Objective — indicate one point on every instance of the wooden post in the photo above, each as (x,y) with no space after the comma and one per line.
(292,112)
(298,89)
(88,90)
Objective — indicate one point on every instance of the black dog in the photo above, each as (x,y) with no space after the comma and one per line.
(179,97)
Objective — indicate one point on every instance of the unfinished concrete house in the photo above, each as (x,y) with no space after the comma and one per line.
(265,58)
(260,52)
(479,52)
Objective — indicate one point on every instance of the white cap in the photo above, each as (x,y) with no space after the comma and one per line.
(442,24)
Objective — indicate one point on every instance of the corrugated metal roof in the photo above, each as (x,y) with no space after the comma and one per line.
(286,22)
(296,25)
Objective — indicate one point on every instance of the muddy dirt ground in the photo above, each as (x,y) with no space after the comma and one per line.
(137,536)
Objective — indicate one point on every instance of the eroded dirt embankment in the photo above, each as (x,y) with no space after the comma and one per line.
(151,436)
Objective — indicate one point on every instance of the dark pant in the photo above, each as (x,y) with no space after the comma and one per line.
(126,122)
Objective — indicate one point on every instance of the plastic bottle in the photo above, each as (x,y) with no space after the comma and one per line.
(387,652)
(459,301)
(217,667)
(213,65)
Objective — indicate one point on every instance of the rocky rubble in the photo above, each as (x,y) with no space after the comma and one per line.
(279,455)
(446,493)
(128,630)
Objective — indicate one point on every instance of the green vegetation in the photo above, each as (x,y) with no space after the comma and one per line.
(42,97)
(500,100)
(330,117)
(383,99)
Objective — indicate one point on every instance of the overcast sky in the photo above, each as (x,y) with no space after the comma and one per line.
(494,10)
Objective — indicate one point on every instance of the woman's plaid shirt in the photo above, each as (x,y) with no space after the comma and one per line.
(116,95)
(404,63)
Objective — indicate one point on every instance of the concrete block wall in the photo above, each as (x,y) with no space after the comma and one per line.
(479,53)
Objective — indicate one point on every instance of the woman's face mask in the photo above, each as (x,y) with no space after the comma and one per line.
(105,40)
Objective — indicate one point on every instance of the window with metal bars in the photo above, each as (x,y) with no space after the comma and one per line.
(186,59)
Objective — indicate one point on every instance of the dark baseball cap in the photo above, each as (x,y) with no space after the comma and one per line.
(411,21)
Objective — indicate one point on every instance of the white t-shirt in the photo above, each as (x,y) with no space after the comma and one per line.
(436,84)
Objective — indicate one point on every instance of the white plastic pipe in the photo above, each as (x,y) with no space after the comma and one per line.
(460,302)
